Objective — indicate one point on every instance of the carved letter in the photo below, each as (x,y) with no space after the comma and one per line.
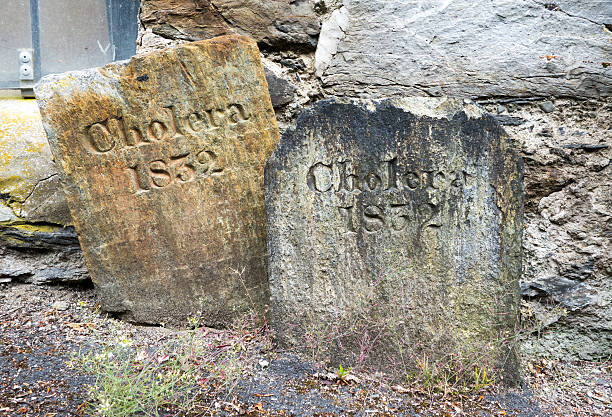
(458,181)
(348,181)
(438,179)
(210,161)
(181,171)
(320,177)
(373,218)
(159,173)
(390,173)
(198,122)
(100,138)
(115,127)
(238,113)
(140,178)
(411,180)
(347,213)
(157,130)
(217,116)
(400,216)
(134,137)
(427,212)
(372,181)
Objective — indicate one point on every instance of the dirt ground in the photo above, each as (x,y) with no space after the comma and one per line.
(42,328)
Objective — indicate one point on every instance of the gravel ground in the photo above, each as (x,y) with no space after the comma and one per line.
(41,328)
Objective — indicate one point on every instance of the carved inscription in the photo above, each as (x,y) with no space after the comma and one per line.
(409,196)
(114,133)
(179,168)
(184,163)
(391,216)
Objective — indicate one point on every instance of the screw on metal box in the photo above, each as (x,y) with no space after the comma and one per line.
(25,57)
(26,68)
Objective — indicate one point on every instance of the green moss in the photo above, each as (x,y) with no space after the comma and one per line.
(16,187)
(20,232)
(30,228)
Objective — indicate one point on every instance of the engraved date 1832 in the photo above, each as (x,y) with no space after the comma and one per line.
(179,168)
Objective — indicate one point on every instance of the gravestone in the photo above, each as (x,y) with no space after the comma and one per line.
(394,233)
(162,161)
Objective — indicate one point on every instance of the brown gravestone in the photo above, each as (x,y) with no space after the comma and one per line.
(162,161)
(394,233)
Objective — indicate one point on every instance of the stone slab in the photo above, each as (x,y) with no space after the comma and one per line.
(37,243)
(29,186)
(276,23)
(162,161)
(467,48)
(394,233)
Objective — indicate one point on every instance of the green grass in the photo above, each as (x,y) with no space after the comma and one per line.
(133,380)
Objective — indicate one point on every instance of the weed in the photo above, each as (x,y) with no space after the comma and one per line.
(434,351)
(342,372)
(135,379)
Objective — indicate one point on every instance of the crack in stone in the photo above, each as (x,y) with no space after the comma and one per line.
(557,8)
(225,19)
(34,188)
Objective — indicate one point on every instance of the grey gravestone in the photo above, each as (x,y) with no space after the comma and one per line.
(395,236)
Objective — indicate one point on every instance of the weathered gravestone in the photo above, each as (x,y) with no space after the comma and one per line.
(162,160)
(394,234)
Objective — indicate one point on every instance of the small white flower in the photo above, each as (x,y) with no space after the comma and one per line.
(105,405)
(124,342)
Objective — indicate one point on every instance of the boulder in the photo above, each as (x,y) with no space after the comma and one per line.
(395,236)
(37,242)
(276,23)
(162,160)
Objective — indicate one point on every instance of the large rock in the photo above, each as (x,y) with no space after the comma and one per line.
(37,243)
(567,274)
(467,48)
(276,23)
(29,185)
(395,235)
(162,159)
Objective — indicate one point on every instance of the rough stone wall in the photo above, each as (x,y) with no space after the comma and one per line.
(37,243)
(542,68)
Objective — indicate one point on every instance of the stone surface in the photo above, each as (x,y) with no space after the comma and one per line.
(60,305)
(547,107)
(40,253)
(162,159)
(281,91)
(467,48)
(276,23)
(567,278)
(37,243)
(28,177)
(398,222)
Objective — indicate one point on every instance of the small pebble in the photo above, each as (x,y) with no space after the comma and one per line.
(60,305)
(500,109)
(263,363)
(547,106)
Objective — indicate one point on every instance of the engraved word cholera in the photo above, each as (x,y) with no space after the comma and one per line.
(183,164)
(387,197)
